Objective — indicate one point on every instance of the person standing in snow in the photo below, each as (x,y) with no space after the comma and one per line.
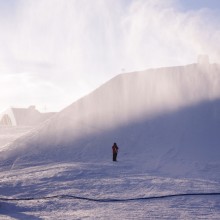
(115,151)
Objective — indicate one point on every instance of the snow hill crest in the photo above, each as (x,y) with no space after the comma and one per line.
(164,120)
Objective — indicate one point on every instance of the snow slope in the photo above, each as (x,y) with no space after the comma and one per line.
(10,133)
(166,121)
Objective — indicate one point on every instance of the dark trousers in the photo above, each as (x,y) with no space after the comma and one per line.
(114,156)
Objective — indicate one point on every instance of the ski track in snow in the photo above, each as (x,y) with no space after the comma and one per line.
(101,181)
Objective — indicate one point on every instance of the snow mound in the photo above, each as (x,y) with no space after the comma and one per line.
(164,120)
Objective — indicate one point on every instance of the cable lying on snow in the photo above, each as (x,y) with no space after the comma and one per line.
(110,199)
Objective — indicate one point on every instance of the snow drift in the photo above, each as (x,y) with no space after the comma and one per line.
(164,120)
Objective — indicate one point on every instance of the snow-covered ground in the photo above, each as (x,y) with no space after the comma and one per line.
(103,181)
(166,123)
(10,133)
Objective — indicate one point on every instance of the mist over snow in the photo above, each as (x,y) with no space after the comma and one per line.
(165,121)
(90,42)
(121,71)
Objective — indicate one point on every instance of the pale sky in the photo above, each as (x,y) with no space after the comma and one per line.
(53,52)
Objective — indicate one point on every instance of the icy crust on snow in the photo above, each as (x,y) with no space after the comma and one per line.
(165,121)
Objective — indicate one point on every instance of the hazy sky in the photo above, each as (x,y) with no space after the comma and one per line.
(53,52)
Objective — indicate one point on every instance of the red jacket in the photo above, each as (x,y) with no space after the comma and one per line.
(115,148)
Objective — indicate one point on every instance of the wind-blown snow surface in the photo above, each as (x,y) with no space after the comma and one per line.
(102,181)
(166,122)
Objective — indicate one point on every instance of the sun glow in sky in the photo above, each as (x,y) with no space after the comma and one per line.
(54,52)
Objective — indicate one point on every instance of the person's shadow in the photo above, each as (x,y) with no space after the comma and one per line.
(16,212)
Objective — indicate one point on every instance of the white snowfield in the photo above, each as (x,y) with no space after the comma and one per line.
(102,181)
(166,123)
(8,134)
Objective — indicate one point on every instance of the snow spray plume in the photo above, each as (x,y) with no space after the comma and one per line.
(90,42)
